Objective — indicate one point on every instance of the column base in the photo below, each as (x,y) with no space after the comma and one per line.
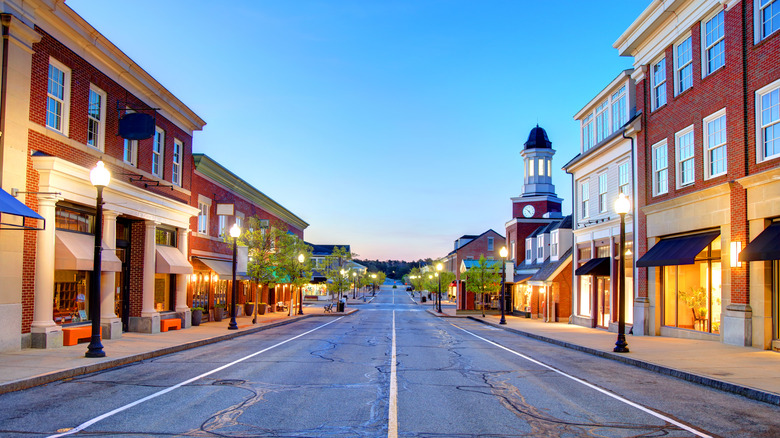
(144,324)
(186,317)
(46,337)
(737,325)
(112,328)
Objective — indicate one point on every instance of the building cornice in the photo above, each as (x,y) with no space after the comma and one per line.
(761,178)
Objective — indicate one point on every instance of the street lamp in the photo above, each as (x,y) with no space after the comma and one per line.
(354,285)
(100,177)
(622,205)
(503,253)
(439,267)
(301,259)
(235,231)
(373,289)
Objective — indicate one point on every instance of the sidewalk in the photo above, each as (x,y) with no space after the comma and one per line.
(32,367)
(747,371)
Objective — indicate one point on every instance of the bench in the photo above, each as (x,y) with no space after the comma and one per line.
(72,335)
(329,308)
(281,306)
(168,324)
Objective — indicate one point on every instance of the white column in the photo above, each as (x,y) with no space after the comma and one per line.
(150,257)
(181,281)
(112,325)
(45,332)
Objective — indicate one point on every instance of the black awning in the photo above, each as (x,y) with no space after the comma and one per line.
(677,250)
(12,206)
(599,266)
(766,246)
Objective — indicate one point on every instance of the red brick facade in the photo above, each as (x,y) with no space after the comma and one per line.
(472,251)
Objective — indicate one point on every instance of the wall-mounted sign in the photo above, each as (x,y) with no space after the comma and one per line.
(225,209)
(136,126)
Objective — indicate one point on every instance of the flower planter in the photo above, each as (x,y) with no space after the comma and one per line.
(218,313)
(197,316)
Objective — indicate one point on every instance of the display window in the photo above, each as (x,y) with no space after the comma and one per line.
(163,292)
(584,295)
(71,291)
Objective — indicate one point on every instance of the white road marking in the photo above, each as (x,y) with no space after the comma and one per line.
(86,424)
(392,416)
(589,385)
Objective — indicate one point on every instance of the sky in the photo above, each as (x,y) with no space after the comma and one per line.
(394,126)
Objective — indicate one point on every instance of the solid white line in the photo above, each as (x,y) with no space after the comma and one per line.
(392,416)
(589,385)
(86,424)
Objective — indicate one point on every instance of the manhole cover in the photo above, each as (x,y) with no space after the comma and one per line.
(229,382)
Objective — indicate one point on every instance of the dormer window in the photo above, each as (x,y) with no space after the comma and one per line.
(540,248)
(554,244)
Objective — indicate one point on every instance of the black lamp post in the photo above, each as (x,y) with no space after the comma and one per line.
(373,285)
(354,285)
(503,253)
(301,259)
(100,177)
(439,267)
(235,231)
(622,205)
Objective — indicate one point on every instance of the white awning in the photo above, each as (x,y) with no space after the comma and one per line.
(171,261)
(224,268)
(76,252)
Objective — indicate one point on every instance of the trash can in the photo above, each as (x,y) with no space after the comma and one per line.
(340,306)
(422,299)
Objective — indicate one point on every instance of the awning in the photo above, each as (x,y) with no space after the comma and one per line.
(677,250)
(598,266)
(766,246)
(170,260)
(223,268)
(76,252)
(15,207)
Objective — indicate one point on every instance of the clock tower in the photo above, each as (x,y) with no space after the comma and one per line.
(538,204)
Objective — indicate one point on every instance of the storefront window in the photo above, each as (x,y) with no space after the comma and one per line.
(71,289)
(164,236)
(584,292)
(163,291)
(200,290)
(220,292)
(692,293)
(74,220)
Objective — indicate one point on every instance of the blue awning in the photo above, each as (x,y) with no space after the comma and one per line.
(12,206)
(764,246)
(677,250)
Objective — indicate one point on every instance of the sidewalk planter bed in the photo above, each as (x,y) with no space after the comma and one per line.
(197,315)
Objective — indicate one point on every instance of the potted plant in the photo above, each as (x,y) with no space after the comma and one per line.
(249,309)
(219,310)
(197,315)
(262,307)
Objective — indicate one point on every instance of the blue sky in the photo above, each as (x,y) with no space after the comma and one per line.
(393,126)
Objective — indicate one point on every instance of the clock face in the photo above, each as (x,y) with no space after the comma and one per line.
(528,210)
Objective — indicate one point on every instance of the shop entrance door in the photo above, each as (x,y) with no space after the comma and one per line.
(604,300)
(122,278)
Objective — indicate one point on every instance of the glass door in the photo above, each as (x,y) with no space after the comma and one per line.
(604,298)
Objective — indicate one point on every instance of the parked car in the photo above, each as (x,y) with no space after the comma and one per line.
(408,288)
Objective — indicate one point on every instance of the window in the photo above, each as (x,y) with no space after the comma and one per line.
(683,66)
(130,154)
(660,171)
(541,166)
(768,108)
(623,179)
(240,220)
(768,17)
(619,114)
(531,167)
(715,144)
(659,83)
(549,168)
(529,245)
(584,197)
(512,249)
(587,132)
(178,147)
(490,243)
(158,152)
(602,121)
(540,247)
(684,145)
(70,219)
(603,192)
(164,236)
(58,97)
(714,44)
(203,217)
(222,226)
(96,116)
(554,244)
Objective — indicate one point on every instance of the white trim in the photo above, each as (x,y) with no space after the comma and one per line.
(704,47)
(65,101)
(678,156)
(101,121)
(677,68)
(706,147)
(774,86)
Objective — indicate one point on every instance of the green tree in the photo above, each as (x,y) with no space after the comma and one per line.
(289,249)
(336,270)
(260,237)
(483,278)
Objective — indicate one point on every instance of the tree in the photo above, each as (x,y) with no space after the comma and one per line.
(288,250)
(335,270)
(483,278)
(260,236)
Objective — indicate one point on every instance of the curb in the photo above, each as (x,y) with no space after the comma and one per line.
(745,391)
(18,385)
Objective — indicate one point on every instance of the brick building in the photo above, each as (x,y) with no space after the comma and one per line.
(707,78)
(471,247)
(212,256)
(67,87)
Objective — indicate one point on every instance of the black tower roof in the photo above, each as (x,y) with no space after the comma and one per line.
(538,139)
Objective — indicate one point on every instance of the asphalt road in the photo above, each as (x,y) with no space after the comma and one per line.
(391,369)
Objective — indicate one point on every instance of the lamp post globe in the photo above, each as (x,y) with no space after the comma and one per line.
(502,300)
(99,176)
(622,206)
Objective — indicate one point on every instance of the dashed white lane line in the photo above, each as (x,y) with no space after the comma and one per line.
(589,385)
(392,417)
(86,424)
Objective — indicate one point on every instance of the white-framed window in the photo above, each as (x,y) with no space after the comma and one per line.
(584,198)
(713,44)
(549,167)
(512,249)
(58,97)
(683,141)
(683,66)
(490,243)
(587,132)
(619,113)
(178,150)
(715,144)
(531,167)
(158,152)
(240,220)
(554,244)
(540,247)
(658,78)
(222,225)
(660,169)
(766,17)
(541,167)
(130,152)
(603,192)
(529,245)
(204,205)
(768,121)
(602,121)
(96,117)
(623,179)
